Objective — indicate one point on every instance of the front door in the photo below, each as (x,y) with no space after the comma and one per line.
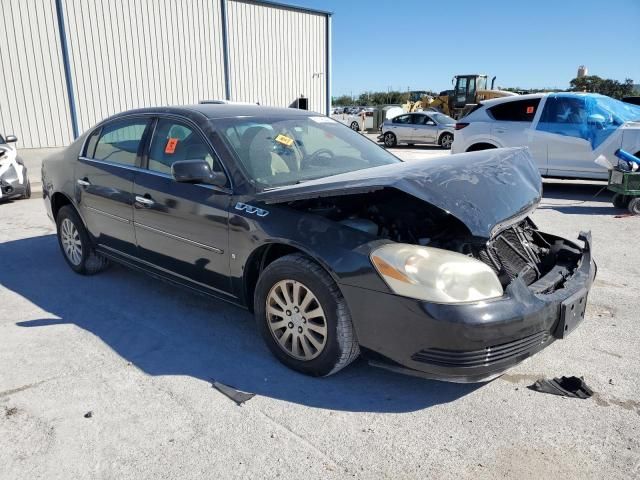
(563,128)
(182,228)
(104,182)
(425,129)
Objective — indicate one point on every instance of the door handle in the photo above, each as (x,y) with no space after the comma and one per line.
(83,182)
(500,130)
(146,201)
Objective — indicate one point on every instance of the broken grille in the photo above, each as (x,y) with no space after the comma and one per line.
(513,252)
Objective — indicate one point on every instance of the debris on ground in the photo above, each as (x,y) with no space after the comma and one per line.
(234,394)
(572,387)
(89,414)
(8,412)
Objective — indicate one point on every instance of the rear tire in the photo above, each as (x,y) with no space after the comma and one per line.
(480,146)
(634,206)
(354,126)
(75,244)
(446,140)
(390,140)
(281,305)
(620,201)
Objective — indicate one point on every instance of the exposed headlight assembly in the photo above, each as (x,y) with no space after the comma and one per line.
(434,274)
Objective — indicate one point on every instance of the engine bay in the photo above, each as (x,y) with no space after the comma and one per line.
(517,251)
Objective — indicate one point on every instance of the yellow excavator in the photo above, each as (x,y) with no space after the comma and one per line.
(468,91)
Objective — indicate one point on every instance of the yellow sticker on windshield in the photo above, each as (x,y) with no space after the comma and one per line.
(284,140)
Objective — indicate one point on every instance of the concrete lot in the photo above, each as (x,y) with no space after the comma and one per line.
(141,356)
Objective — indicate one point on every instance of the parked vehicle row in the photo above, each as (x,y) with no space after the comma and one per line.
(337,246)
(565,132)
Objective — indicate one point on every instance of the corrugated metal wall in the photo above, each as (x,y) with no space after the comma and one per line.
(33,98)
(276,54)
(131,53)
(125,54)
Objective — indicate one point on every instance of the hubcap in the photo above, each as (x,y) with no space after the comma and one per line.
(388,140)
(296,320)
(70,239)
(447,141)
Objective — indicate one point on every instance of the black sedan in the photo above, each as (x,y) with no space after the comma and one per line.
(430,267)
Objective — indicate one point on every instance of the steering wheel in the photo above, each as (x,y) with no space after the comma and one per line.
(308,161)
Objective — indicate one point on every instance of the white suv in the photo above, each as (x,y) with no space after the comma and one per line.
(565,132)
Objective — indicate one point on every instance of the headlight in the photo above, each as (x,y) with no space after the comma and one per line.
(435,275)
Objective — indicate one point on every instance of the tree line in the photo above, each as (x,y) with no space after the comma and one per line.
(589,83)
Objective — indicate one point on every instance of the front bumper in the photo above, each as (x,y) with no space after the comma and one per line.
(470,342)
(12,188)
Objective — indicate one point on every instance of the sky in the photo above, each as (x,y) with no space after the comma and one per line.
(420,44)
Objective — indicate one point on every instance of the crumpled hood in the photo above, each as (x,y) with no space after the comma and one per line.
(482,189)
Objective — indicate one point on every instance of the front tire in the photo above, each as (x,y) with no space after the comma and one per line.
(446,140)
(27,190)
(354,126)
(75,244)
(634,206)
(390,140)
(304,318)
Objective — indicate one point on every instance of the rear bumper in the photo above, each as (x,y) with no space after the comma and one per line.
(471,342)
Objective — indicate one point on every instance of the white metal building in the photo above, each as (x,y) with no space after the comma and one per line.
(67,64)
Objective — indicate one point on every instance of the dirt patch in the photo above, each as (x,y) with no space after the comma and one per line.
(10,412)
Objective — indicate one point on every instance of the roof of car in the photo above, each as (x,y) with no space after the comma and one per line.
(529,96)
(226,110)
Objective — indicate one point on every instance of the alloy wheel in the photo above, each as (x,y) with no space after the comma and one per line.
(296,320)
(447,141)
(71,243)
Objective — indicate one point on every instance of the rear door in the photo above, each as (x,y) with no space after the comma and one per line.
(512,127)
(182,228)
(402,128)
(104,181)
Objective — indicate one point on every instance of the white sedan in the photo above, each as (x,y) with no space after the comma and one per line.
(565,132)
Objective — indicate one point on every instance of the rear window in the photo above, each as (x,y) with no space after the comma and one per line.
(517,111)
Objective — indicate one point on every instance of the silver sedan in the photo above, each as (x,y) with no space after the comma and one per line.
(418,127)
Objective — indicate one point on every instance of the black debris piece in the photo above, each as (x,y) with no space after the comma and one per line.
(572,387)
(89,414)
(234,394)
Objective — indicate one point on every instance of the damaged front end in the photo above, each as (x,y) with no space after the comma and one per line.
(477,206)
(13,179)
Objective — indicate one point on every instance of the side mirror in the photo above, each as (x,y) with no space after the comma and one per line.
(430,123)
(11,139)
(596,120)
(197,171)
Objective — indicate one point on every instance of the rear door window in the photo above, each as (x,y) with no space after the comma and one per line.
(516,111)
(120,141)
(402,119)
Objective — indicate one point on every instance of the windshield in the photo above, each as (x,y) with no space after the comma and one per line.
(283,151)
(613,111)
(442,118)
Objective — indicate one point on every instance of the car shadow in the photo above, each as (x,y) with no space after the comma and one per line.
(416,147)
(165,330)
(583,198)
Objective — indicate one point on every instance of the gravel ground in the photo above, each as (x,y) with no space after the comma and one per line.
(141,357)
